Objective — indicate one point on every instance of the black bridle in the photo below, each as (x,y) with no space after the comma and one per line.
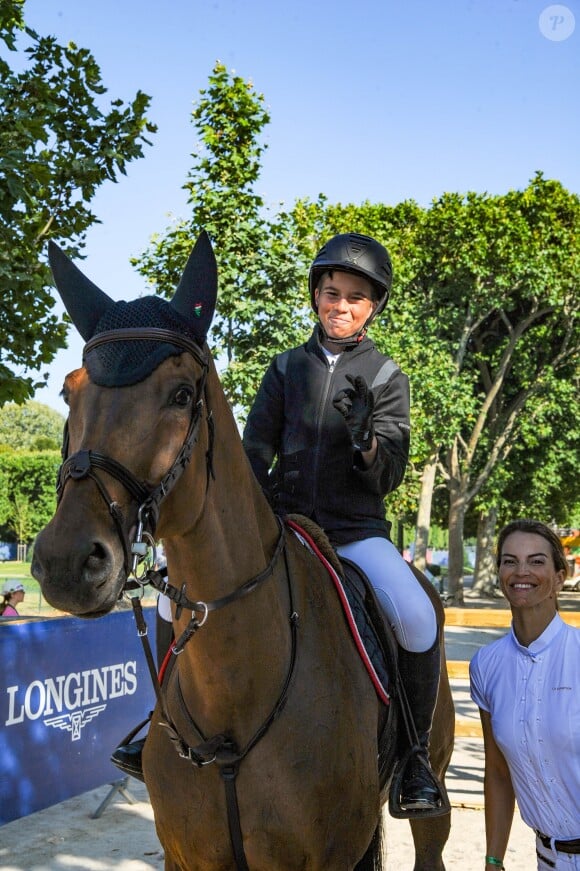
(220,749)
(85,463)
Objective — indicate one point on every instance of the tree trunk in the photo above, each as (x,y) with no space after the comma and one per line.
(398,537)
(424,512)
(484,582)
(455,564)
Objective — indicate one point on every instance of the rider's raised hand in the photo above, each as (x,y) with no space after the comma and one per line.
(356,405)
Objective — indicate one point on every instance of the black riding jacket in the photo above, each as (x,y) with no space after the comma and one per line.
(300,448)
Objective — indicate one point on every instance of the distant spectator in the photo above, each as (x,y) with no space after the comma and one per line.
(13,593)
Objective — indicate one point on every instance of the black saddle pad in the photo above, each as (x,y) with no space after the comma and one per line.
(376,635)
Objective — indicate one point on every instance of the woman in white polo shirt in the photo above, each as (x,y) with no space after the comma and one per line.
(527,687)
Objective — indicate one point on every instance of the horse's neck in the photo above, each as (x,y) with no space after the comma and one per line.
(236,530)
(232,669)
(223,529)
(232,541)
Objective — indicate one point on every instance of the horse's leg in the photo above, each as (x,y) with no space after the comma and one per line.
(430,836)
(373,858)
(431,833)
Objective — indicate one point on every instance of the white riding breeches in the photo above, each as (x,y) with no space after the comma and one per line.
(406,604)
(164,607)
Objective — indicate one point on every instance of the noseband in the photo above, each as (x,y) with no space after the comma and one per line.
(84,463)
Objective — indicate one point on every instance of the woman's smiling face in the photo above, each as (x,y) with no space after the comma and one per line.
(527,573)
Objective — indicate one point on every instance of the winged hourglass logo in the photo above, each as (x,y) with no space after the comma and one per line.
(74,722)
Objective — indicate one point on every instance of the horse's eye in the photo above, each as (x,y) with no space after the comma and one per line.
(183,396)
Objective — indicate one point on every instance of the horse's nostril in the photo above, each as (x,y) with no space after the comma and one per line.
(96,557)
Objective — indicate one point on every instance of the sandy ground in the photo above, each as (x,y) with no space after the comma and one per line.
(66,838)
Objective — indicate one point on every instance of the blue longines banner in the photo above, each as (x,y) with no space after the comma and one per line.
(71,690)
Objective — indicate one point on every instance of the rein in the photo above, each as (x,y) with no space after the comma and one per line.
(178,595)
(222,749)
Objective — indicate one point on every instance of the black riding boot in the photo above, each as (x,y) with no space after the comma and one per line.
(419,673)
(128,755)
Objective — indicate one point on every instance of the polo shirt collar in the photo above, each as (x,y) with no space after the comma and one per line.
(553,629)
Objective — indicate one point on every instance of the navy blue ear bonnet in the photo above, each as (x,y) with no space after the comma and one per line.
(118,364)
(128,361)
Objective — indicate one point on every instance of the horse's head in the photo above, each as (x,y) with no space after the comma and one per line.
(134,412)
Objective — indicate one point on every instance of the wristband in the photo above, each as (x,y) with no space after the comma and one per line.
(491,860)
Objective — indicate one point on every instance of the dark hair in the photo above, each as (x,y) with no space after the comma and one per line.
(535,527)
(376,291)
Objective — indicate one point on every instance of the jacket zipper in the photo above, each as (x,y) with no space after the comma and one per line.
(331,367)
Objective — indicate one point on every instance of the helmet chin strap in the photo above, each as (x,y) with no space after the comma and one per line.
(348,341)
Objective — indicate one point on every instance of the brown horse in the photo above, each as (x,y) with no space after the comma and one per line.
(271,712)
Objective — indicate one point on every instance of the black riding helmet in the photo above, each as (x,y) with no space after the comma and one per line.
(353,252)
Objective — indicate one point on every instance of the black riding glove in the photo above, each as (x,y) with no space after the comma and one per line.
(356,405)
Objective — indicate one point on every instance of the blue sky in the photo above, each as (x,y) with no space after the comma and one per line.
(374,100)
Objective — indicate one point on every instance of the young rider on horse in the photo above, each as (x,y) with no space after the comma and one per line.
(328,437)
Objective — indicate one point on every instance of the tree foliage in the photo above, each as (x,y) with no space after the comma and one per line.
(57,146)
(482,316)
(498,280)
(27,492)
(538,477)
(253,257)
(31,426)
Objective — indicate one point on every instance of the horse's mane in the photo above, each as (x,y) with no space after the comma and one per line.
(318,535)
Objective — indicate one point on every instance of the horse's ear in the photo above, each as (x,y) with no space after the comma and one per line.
(196,293)
(82,299)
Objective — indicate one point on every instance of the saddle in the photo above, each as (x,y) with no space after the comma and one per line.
(376,636)
(381,647)
(373,638)
(376,645)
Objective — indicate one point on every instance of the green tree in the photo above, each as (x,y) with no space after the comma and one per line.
(499,277)
(27,492)
(31,426)
(538,477)
(479,281)
(229,118)
(57,147)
